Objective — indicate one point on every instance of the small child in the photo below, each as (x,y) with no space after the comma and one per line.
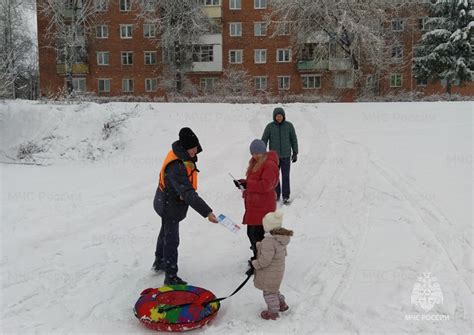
(270,264)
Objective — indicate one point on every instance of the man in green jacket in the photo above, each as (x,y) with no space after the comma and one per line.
(283,140)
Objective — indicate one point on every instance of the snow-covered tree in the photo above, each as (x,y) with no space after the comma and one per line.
(69,24)
(15,46)
(179,25)
(446,51)
(235,82)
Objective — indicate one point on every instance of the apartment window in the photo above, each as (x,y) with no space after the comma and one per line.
(235,29)
(397,52)
(422,24)
(151,84)
(125,5)
(260,56)
(235,4)
(311,81)
(104,85)
(126,30)
(343,80)
(149,30)
(101,31)
(370,81)
(203,53)
(261,83)
(101,5)
(127,85)
(395,80)
(283,28)
(283,55)
(150,57)
(127,58)
(283,82)
(235,56)
(102,58)
(208,84)
(209,2)
(149,5)
(259,29)
(260,4)
(421,82)
(79,84)
(398,25)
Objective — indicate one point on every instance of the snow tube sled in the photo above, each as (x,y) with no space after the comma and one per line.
(176,308)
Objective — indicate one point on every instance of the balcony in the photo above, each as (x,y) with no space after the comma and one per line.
(333,64)
(340,64)
(213,12)
(78,68)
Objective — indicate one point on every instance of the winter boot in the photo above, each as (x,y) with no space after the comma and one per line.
(267,315)
(283,306)
(174,280)
(286,201)
(158,266)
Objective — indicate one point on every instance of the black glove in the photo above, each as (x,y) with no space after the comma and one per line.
(294,158)
(250,271)
(241,183)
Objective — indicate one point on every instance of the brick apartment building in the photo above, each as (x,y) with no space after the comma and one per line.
(123,59)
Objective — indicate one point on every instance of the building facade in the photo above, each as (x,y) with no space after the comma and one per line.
(123,57)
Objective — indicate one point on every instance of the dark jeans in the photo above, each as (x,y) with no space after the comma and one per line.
(285,164)
(255,234)
(167,246)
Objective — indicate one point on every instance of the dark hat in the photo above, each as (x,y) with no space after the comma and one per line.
(188,139)
(258,147)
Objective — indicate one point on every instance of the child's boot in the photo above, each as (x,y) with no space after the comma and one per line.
(283,306)
(267,315)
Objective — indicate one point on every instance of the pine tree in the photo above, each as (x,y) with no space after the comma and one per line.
(446,51)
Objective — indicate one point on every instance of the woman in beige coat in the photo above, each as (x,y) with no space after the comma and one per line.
(270,264)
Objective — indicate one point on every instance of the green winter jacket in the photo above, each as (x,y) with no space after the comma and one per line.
(282,136)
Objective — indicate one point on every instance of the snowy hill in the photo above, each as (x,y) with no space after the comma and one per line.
(382,194)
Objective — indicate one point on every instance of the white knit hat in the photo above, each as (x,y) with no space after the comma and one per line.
(272,221)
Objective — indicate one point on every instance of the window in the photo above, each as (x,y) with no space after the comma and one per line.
(101,5)
(149,5)
(151,84)
(421,82)
(422,24)
(125,5)
(259,29)
(283,82)
(208,84)
(235,56)
(260,4)
(398,25)
(343,80)
(101,31)
(235,29)
(79,84)
(127,85)
(260,56)
(395,80)
(203,53)
(397,52)
(149,30)
(102,58)
(283,55)
(104,85)
(126,30)
(283,28)
(209,2)
(261,83)
(370,81)
(235,4)
(311,81)
(127,58)
(150,57)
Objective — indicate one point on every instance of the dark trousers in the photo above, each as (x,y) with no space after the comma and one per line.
(285,164)
(255,234)
(167,246)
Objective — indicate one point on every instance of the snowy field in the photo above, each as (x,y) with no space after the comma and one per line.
(382,194)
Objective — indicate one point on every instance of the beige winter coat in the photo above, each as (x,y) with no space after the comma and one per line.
(270,263)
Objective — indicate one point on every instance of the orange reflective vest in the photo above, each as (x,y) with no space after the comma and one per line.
(191,170)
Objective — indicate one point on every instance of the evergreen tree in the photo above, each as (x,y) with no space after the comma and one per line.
(446,51)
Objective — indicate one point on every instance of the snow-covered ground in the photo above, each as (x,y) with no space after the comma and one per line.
(382,194)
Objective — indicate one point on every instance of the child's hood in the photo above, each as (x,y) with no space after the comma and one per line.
(282,235)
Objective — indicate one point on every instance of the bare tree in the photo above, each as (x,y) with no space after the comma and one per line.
(15,46)
(179,25)
(69,24)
